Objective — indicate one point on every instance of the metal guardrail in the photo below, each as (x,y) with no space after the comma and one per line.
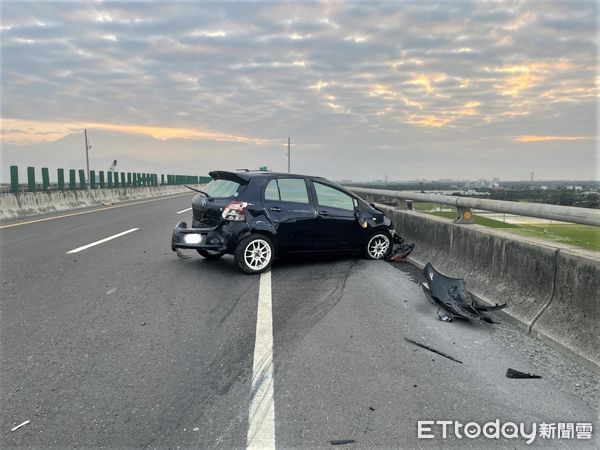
(77,180)
(572,214)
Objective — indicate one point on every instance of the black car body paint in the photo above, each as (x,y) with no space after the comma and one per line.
(285,207)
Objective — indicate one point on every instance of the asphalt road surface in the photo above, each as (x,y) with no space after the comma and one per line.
(121,344)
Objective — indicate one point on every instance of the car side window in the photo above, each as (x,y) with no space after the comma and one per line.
(272,191)
(293,190)
(331,197)
(287,190)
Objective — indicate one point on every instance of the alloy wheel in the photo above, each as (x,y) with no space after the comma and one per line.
(378,246)
(257,254)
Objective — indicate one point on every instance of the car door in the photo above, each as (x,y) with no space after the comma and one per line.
(287,203)
(337,222)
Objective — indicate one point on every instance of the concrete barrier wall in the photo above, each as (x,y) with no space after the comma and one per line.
(572,318)
(16,206)
(552,291)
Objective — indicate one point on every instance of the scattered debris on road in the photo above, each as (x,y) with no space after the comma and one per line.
(400,250)
(452,296)
(20,425)
(342,441)
(443,315)
(512,373)
(426,347)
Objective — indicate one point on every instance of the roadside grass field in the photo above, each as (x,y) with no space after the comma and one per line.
(583,236)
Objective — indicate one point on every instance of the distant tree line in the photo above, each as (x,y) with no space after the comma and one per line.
(555,193)
(562,196)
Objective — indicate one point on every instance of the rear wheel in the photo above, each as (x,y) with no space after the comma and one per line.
(379,245)
(254,254)
(210,254)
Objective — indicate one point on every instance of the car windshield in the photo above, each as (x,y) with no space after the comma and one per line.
(221,188)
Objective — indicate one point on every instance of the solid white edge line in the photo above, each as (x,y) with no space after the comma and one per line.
(261,418)
(184,210)
(102,241)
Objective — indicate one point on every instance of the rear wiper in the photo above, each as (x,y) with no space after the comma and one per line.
(198,190)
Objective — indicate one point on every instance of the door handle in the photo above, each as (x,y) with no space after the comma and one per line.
(275,208)
(323,213)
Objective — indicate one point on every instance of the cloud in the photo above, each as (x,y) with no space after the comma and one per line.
(18,131)
(443,75)
(552,138)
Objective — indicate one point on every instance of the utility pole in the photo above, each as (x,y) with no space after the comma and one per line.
(87,156)
(289,155)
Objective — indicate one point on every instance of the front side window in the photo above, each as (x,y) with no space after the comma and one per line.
(331,197)
(287,190)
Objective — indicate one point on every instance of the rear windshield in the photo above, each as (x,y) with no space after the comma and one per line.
(222,188)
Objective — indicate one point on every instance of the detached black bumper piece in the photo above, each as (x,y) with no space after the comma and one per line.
(451,295)
(197,238)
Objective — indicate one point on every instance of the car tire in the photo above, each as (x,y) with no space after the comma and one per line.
(254,254)
(210,254)
(378,245)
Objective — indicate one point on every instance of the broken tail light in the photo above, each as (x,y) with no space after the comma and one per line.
(235,211)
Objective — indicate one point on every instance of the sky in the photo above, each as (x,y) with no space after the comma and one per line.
(411,90)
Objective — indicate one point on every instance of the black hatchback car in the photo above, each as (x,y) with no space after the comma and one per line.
(258,216)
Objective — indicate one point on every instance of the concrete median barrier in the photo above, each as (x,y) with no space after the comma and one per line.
(552,291)
(26,204)
(572,317)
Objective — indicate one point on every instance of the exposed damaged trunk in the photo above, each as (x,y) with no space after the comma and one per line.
(451,295)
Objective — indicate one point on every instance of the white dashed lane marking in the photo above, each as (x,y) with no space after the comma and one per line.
(102,241)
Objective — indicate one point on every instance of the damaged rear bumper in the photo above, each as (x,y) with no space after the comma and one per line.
(197,238)
(452,296)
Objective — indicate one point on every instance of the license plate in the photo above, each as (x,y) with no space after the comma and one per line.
(192,238)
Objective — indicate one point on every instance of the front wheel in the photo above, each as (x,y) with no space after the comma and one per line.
(379,245)
(254,254)
(210,254)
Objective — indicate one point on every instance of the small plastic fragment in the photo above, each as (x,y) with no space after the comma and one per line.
(444,316)
(20,425)
(426,347)
(512,373)
(341,441)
